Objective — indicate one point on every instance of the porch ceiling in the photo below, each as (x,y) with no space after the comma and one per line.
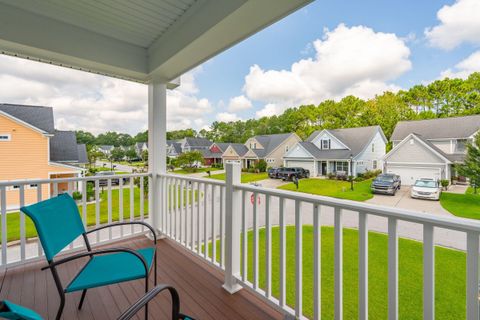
(137,40)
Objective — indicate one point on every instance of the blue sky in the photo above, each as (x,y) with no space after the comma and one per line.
(326,50)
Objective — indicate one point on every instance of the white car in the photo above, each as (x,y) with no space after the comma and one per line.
(426,189)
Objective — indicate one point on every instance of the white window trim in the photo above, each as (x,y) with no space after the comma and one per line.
(7,135)
(286,148)
(328,144)
(374,164)
(373,147)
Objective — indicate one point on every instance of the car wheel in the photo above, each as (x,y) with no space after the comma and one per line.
(307,175)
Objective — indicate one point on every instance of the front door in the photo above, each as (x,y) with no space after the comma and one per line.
(324,168)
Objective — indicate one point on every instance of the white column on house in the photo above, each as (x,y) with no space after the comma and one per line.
(157,144)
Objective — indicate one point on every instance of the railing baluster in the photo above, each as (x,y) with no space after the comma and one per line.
(109,204)
(244,240)
(283,253)
(338,230)
(173,206)
(213,234)
(176,211)
(192,206)
(84,203)
(255,242)
(142,200)
(182,204)
(222,227)
(55,189)
(393,269)
(132,204)
(3,211)
(120,204)
(298,260)
(22,223)
(199,196)
(472,275)
(187,202)
(205,224)
(362,266)
(97,208)
(39,198)
(428,272)
(317,266)
(268,248)
(70,192)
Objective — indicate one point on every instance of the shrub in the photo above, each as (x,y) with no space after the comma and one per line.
(251,170)
(369,174)
(76,195)
(244,169)
(444,183)
(261,166)
(331,176)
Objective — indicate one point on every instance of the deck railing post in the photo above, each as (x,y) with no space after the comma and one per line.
(233,224)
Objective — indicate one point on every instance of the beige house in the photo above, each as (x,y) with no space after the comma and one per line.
(31,149)
(270,148)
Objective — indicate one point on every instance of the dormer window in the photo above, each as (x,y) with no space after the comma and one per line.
(326,144)
(253,145)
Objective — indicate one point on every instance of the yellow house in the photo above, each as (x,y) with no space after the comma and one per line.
(31,149)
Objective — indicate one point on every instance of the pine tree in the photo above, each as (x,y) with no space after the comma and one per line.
(471,167)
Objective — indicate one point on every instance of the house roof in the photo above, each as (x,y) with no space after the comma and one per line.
(208,154)
(82,153)
(270,142)
(354,138)
(63,147)
(333,154)
(222,145)
(239,148)
(106,147)
(36,116)
(198,142)
(456,127)
(141,144)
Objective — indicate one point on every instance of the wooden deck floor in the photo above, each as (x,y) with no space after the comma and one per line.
(199,286)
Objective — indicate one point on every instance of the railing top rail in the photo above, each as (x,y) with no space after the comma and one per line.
(454,223)
(193,179)
(7,183)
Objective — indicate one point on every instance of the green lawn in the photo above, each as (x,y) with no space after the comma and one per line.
(13,219)
(449,273)
(462,205)
(246,176)
(183,171)
(333,188)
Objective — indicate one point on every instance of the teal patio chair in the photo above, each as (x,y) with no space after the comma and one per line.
(58,224)
(9,310)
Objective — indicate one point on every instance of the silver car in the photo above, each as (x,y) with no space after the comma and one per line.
(426,189)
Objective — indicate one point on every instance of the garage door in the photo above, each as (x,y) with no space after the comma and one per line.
(410,174)
(302,164)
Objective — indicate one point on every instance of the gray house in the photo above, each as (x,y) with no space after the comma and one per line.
(430,148)
(347,151)
(194,144)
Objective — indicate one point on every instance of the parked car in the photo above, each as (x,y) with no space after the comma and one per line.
(273,173)
(289,173)
(104,182)
(426,188)
(386,183)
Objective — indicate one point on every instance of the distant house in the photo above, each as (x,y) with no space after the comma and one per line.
(174,148)
(430,148)
(270,148)
(234,153)
(213,155)
(140,147)
(340,151)
(106,149)
(32,149)
(194,144)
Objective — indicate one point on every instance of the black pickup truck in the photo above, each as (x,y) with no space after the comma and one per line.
(386,183)
(289,173)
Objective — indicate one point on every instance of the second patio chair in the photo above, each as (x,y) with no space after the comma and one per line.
(58,224)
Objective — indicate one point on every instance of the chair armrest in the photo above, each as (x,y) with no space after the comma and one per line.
(98,252)
(133,309)
(116,224)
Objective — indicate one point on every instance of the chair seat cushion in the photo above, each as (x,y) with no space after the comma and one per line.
(111,268)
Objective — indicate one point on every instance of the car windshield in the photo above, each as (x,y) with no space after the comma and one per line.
(385,178)
(426,183)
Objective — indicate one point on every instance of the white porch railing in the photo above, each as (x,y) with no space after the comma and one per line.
(18,240)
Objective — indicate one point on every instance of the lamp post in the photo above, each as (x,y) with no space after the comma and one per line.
(351,172)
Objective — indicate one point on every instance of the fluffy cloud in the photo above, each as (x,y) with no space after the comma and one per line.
(464,68)
(84,101)
(355,60)
(227,117)
(459,22)
(239,103)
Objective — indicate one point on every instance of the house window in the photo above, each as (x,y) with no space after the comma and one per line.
(325,144)
(374,164)
(253,145)
(5,137)
(461,145)
(342,166)
(286,148)
(373,147)
(360,163)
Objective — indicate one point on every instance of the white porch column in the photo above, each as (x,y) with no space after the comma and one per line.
(157,145)
(233,205)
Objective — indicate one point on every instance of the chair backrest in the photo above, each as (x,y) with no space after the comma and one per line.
(57,221)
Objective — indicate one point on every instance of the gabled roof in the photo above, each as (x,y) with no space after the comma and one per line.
(63,147)
(222,145)
(36,116)
(354,138)
(239,148)
(139,145)
(449,128)
(198,142)
(333,154)
(451,157)
(106,147)
(82,154)
(270,142)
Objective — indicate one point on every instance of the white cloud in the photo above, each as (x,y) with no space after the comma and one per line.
(355,60)
(227,117)
(459,22)
(239,103)
(464,68)
(269,110)
(84,101)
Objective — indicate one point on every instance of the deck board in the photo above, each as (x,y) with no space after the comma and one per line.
(198,283)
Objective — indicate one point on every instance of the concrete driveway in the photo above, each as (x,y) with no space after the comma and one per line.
(403,200)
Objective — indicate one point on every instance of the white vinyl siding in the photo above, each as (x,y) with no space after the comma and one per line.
(409,174)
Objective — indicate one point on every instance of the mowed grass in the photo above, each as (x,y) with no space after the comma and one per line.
(462,205)
(246,176)
(13,219)
(333,188)
(449,274)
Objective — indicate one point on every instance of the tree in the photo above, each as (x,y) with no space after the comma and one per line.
(117,154)
(144,155)
(85,137)
(471,166)
(188,160)
(131,154)
(180,134)
(93,154)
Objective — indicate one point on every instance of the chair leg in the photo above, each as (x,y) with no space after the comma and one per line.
(146,291)
(60,308)
(84,292)
(155,269)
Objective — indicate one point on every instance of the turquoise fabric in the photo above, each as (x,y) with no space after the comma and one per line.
(111,268)
(57,221)
(15,312)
